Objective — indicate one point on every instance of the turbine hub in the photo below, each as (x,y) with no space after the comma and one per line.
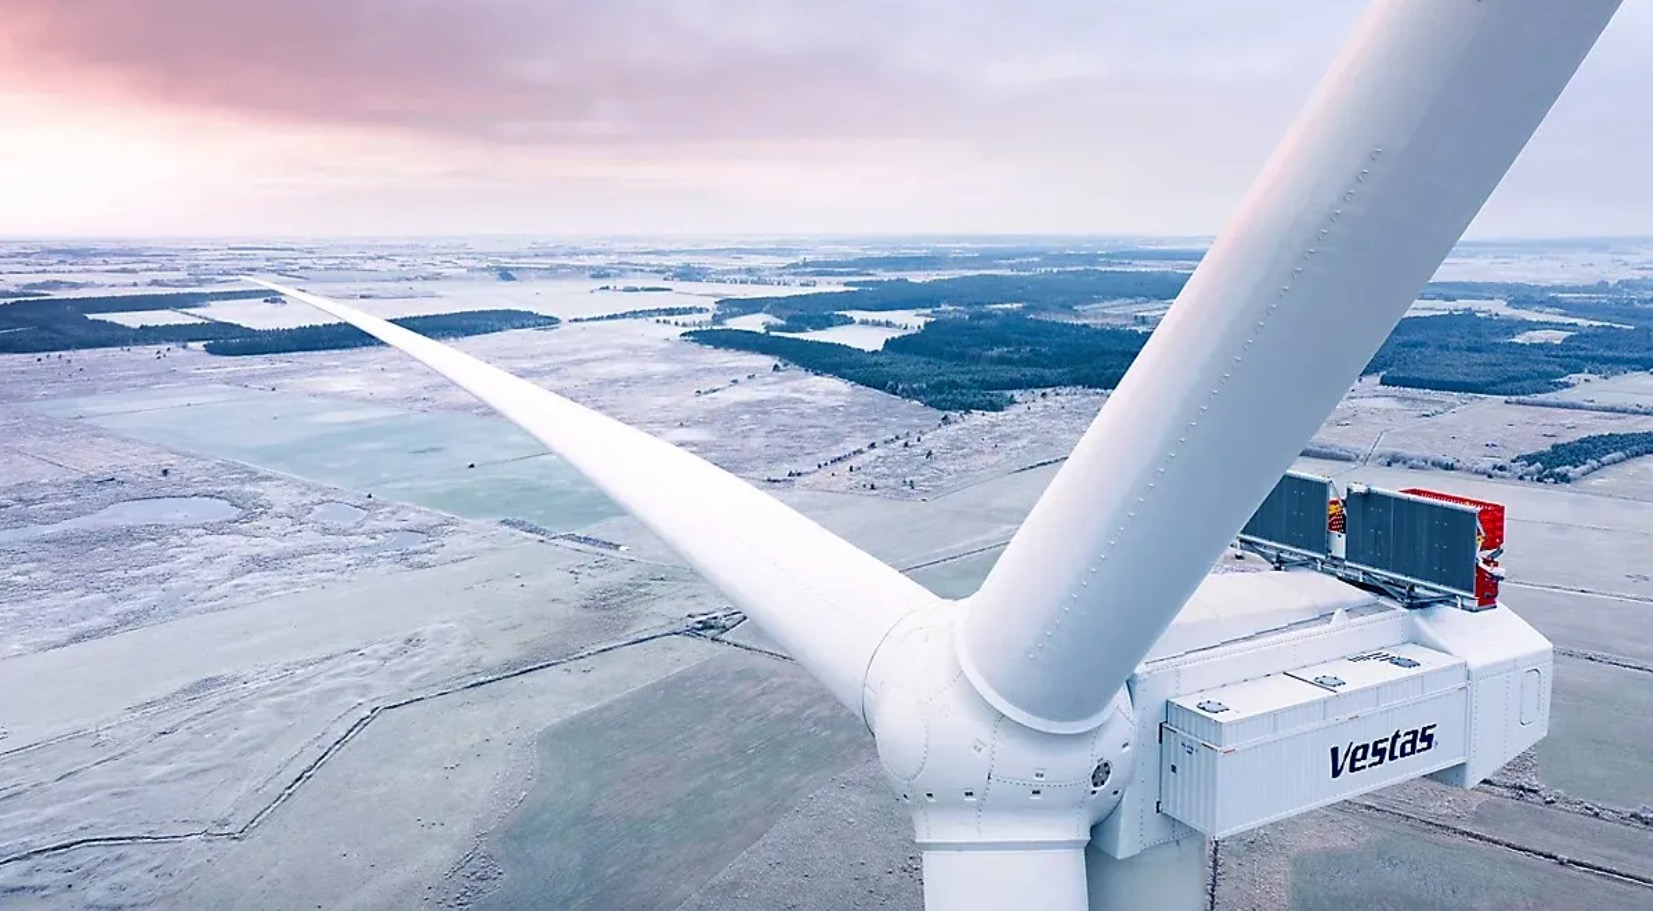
(971,775)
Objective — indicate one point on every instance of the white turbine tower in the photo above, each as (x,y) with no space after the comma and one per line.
(1052,707)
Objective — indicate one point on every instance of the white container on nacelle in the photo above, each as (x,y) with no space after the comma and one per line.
(1240,756)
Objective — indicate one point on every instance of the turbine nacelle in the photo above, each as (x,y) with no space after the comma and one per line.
(1251,722)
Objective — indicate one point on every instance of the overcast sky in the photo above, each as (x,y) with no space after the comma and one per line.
(576,117)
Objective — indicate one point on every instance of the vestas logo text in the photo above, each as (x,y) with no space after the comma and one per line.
(1358,757)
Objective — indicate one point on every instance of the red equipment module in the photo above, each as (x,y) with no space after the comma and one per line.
(1489,541)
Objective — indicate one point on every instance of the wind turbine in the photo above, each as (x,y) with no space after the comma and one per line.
(1053,707)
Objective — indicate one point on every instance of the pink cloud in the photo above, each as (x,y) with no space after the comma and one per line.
(513,69)
(923,114)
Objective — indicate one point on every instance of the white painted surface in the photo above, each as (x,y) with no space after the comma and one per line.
(1239,756)
(1137,824)
(984,792)
(1223,792)
(1167,877)
(1292,702)
(1509,711)
(1230,606)
(995,879)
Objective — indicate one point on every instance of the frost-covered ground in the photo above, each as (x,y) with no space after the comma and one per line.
(1497,308)
(1374,425)
(134,573)
(156,318)
(867,338)
(1582,262)
(1378,424)
(229,677)
(1632,390)
(961,449)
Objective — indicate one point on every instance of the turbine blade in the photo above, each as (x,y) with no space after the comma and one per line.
(1406,138)
(825,601)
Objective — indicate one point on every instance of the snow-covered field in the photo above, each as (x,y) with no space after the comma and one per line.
(1542,337)
(909,319)
(1629,389)
(258,314)
(1582,263)
(150,318)
(867,338)
(1497,308)
(564,298)
(264,644)
(751,322)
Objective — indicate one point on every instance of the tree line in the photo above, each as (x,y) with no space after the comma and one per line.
(1041,291)
(651,313)
(962,364)
(809,322)
(1014,258)
(338,336)
(42,325)
(1467,352)
(1566,462)
(972,362)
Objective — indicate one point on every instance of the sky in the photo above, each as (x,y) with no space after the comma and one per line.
(716,117)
